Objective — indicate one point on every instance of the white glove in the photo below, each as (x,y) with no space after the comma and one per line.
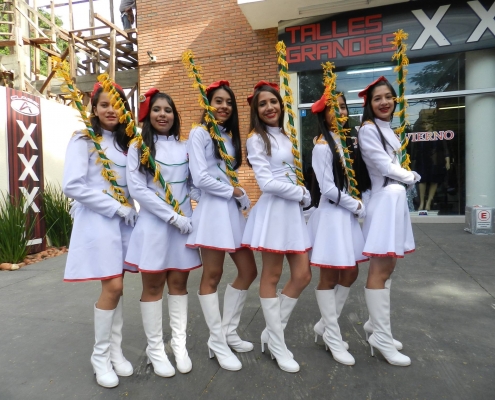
(195,194)
(129,214)
(244,202)
(417,177)
(307,213)
(306,200)
(361,213)
(182,223)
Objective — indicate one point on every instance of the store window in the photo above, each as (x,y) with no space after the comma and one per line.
(436,131)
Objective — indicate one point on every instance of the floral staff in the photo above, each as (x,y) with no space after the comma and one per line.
(282,61)
(402,62)
(329,79)
(62,68)
(194,71)
(131,130)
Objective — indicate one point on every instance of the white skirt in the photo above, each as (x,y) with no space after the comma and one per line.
(156,246)
(336,237)
(387,227)
(217,223)
(97,247)
(276,225)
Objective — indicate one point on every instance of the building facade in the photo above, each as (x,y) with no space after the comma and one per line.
(450,89)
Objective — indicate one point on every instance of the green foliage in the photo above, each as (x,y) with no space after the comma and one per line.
(58,220)
(61,44)
(4,28)
(16,227)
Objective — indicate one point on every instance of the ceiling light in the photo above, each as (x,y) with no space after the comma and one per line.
(363,71)
(450,108)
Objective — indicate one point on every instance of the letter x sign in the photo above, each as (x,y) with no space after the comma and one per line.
(430,28)
(487,20)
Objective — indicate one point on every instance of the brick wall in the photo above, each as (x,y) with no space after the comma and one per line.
(223,43)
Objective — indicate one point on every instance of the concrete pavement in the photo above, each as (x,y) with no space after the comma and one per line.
(443,310)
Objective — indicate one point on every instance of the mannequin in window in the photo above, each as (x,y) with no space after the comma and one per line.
(432,163)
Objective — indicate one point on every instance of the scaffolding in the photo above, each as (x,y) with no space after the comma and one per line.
(89,51)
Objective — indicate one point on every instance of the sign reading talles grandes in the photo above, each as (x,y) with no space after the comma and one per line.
(26,158)
(363,37)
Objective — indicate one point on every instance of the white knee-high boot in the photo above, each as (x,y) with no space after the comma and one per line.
(287,304)
(177,311)
(217,344)
(331,335)
(151,312)
(233,303)
(368,325)
(121,366)
(276,341)
(341,294)
(100,359)
(378,302)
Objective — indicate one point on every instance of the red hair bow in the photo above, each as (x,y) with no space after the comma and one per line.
(319,106)
(98,85)
(258,85)
(217,84)
(144,103)
(363,93)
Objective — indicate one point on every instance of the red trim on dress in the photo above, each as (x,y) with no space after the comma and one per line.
(168,269)
(336,266)
(276,251)
(389,254)
(195,246)
(105,278)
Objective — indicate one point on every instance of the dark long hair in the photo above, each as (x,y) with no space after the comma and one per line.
(362,174)
(120,138)
(255,122)
(338,172)
(148,132)
(231,125)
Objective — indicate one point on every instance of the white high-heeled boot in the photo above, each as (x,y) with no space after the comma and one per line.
(287,304)
(177,312)
(276,342)
(151,312)
(331,335)
(378,302)
(341,294)
(121,366)
(233,303)
(217,344)
(100,359)
(368,325)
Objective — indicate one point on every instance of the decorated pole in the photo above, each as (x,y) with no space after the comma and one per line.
(330,81)
(62,71)
(194,72)
(147,159)
(402,61)
(284,75)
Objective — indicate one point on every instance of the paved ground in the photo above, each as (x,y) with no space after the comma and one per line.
(443,310)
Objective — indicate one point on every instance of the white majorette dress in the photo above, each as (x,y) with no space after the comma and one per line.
(334,231)
(156,245)
(276,223)
(99,238)
(387,226)
(217,222)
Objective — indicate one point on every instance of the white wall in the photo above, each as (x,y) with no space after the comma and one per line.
(4,167)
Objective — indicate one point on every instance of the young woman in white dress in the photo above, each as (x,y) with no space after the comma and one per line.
(276,224)
(218,225)
(334,230)
(101,231)
(387,226)
(157,244)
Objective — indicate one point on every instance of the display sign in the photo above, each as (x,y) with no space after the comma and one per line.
(25,156)
(363,37)
(483,219)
